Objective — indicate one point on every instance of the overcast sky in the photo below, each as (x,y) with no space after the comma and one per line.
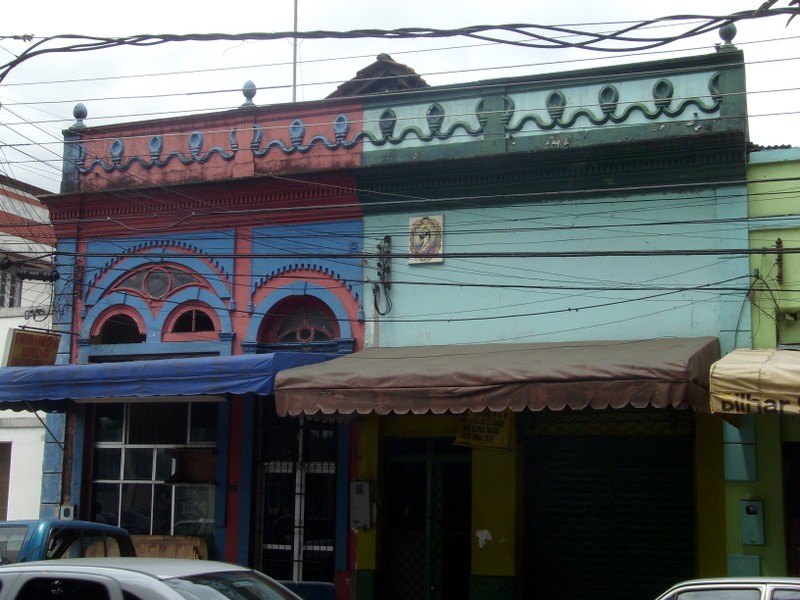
(143,83)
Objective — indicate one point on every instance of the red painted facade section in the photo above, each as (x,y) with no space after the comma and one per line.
(216,129)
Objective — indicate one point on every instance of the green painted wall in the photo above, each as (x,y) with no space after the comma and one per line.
(773,213)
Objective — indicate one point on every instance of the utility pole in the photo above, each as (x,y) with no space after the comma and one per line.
(294,56)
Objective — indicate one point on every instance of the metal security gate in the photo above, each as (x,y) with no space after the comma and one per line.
(425,553)
(609,515)
(297,499)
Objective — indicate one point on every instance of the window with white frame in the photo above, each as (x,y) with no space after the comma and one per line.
(138,477)
(10,290)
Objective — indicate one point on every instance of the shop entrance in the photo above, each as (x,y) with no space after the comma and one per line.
(608,506)
(426,515)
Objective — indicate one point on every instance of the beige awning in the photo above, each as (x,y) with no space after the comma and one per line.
(756,382)
(438,379)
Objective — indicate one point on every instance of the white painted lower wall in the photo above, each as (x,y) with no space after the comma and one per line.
(26,434)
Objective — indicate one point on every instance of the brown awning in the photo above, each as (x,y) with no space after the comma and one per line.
(756,382)
(596,374)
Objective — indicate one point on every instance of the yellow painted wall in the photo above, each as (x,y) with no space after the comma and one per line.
(711,548)
(495,493)
(371,429)
(768,487)
(368,470)
(494,510)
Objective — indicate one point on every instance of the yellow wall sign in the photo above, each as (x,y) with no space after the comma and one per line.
(31,348)
(485,430)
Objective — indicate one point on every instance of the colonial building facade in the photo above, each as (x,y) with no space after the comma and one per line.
(420,342)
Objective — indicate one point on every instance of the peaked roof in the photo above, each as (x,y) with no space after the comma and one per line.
(384,75)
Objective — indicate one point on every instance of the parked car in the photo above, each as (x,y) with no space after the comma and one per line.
(735,588)
(23,541)
(136,579)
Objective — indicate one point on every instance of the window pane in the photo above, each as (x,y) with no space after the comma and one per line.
(105,507)
(108,422)
(139,464)
(158,423)
(194,512)
(194,503)
(162,508)
(107,463)
(163,464)
(136,503)
(204,422)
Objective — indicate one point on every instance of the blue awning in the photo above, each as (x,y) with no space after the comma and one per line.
(48,387)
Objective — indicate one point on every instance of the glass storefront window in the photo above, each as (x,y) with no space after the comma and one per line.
(134,458)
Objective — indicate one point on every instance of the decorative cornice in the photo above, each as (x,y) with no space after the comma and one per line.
(297,132)
(608,101)
(296,135)
(156,148)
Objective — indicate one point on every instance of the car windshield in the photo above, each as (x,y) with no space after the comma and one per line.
(231,585)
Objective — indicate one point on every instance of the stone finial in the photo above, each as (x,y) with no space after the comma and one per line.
(727,32)
(79,112)
(249,90)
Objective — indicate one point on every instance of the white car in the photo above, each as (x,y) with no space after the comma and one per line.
(735,588)
(136,579)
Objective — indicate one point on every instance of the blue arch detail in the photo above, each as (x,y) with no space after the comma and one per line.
(118,299)
(196,265)
(155,325)
(300,288)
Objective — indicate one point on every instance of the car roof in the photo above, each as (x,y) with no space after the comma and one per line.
(734,581)
(59,523)
(161,568)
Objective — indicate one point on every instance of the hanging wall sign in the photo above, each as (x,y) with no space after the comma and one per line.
(27,348)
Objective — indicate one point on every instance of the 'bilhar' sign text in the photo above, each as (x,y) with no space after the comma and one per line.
(746,404)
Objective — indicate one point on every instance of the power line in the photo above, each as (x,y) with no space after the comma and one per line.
(631,38)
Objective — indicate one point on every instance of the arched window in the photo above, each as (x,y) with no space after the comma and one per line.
(300,320)
(119,329)
(193,321)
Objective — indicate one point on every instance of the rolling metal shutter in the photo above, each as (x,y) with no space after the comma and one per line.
(607,516)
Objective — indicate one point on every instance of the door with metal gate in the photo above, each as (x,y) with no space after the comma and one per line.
(425,548)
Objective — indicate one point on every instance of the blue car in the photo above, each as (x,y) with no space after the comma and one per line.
(29,540)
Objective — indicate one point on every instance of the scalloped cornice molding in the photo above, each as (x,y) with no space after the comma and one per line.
(289,268)
(444,121)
